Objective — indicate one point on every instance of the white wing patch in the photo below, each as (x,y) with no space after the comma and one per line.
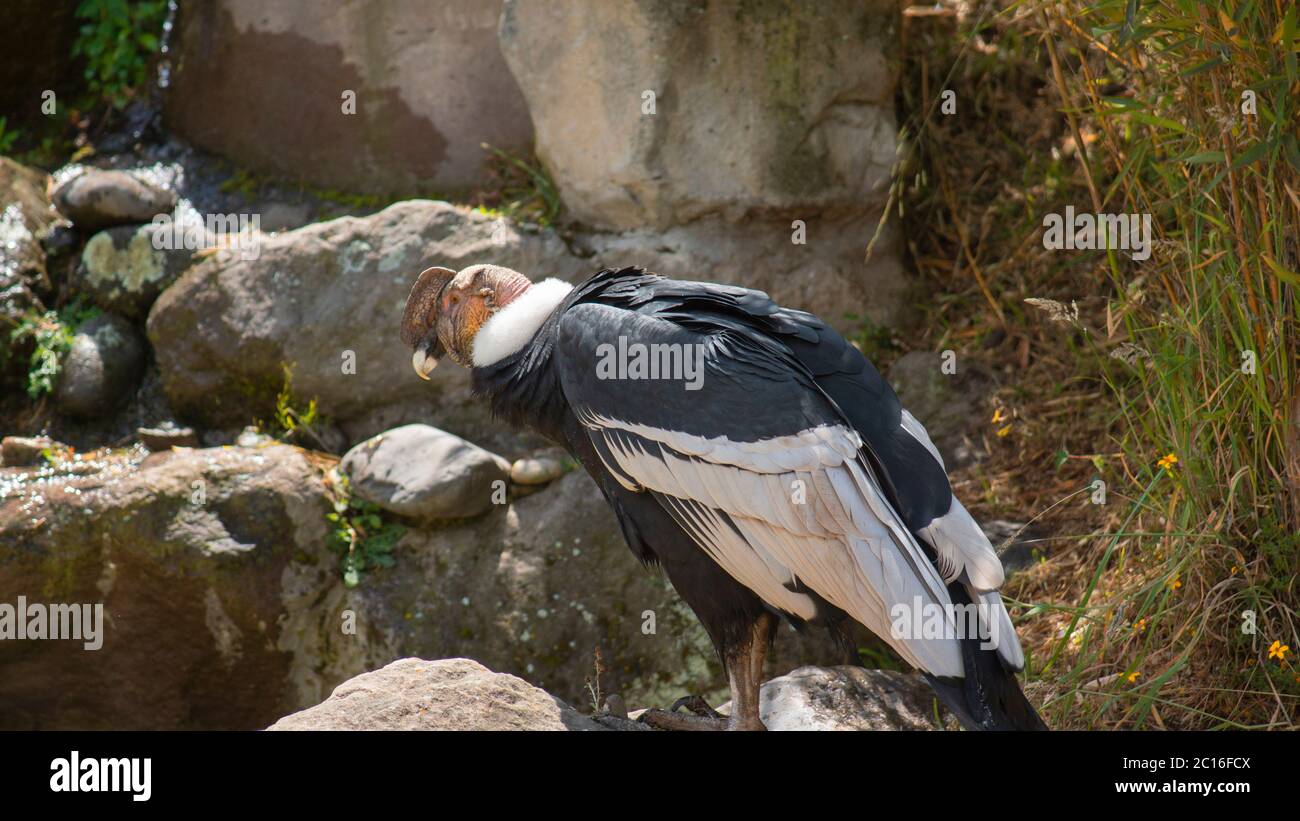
(841,538)
(961,545)
(964,551)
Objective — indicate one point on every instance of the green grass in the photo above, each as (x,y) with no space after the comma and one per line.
(527,191)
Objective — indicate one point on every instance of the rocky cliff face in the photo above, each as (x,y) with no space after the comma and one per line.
(223,605)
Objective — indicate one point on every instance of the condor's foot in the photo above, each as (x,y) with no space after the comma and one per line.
(697,705)
(701,717)
(668,720)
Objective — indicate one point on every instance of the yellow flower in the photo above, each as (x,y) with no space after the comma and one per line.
(1167,461)
(1141,625)
(1278,650)
(1174,583)
(999,415)
(1004,431)
(1133,677)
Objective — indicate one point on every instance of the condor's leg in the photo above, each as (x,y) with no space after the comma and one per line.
(745,672)
(743,659)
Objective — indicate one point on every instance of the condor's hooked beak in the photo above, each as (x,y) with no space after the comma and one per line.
(423,363)
(420,319)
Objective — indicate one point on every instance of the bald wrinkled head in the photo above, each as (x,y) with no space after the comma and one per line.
(445,310)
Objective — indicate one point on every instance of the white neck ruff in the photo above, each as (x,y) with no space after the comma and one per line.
(510,328)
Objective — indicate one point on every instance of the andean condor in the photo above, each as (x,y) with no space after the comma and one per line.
(754,455)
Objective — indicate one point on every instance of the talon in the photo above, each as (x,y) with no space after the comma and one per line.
(697,705)
(665,720)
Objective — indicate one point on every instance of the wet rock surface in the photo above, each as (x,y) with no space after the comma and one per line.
(165,437)
(24,451)
(99,198)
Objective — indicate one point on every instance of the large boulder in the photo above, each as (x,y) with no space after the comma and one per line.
(186,552)
(451,694)
(327,300)
(758,107)
(421,472)
(430,87)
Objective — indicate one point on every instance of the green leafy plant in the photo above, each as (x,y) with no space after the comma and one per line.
(527,191)
(359,534)
(117,41)
(291,422)
(51,333)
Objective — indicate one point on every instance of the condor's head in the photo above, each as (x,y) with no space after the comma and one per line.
(446,310)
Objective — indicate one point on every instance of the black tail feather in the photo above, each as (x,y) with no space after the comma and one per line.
(988,697)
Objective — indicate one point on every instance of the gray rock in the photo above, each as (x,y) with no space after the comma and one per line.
(425,473)
(846,698)
(251,437)
(763,107)
(102,367)
(948,405)
(1020,546)
(24,451)
(122,271)
(188,551)
(536,471)
(97,198)
(167,437)
(244,68)
(450,694)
